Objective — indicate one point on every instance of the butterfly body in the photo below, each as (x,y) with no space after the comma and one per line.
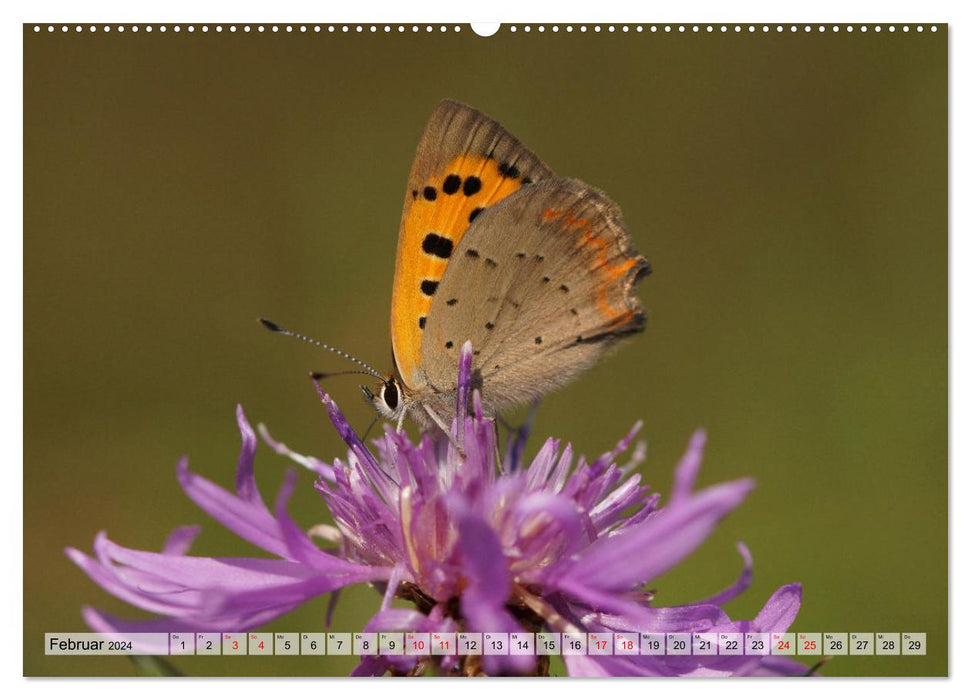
(536,270)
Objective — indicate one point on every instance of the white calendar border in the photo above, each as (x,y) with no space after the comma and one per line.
(824,11)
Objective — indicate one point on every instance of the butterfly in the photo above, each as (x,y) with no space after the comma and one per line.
(536,270)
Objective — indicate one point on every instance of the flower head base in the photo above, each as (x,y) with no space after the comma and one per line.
(478,543)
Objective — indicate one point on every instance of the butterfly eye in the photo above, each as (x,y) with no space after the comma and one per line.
(389,393)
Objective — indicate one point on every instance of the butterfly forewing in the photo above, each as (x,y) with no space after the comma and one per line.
(465,164)
(542,284)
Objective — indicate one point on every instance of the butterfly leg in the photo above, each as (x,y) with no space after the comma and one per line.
(445,429)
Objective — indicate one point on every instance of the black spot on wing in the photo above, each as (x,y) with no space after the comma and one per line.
(471,185)
(437,245)
(451,184)
(507,170)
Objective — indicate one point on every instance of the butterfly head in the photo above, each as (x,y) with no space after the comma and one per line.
(388,398)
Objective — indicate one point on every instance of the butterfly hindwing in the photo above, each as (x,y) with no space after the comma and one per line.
(465,164)
(542,284)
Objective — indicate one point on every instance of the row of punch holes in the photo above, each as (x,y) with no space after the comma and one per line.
(482,30)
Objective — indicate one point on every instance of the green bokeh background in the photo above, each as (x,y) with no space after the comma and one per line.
(789,189)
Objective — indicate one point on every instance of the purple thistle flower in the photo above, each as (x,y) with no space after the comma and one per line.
(476,543)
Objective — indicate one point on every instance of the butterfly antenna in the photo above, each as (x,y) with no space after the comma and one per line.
(278,329)
(318,376)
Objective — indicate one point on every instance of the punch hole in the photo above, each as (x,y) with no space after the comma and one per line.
(485,28)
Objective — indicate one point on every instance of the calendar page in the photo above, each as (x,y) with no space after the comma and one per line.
(518,349)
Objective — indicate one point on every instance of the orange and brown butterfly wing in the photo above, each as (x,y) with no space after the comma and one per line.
(465,163)
(543,285)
